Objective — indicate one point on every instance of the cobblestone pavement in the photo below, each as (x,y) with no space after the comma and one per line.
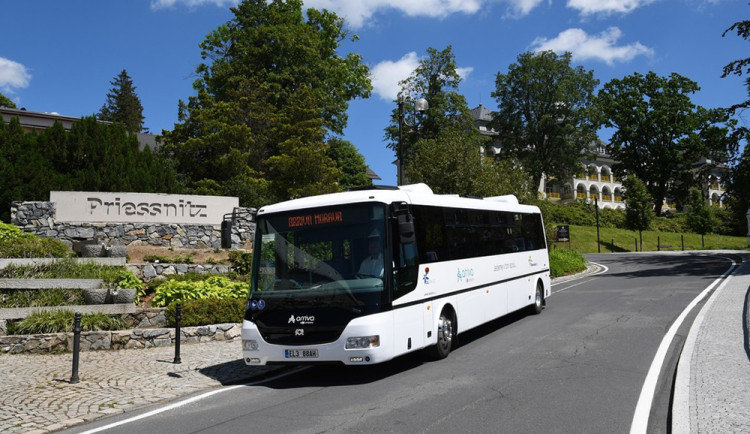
(712,388)
(36,394)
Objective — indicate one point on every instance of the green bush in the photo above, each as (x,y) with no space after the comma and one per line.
(241,261)
(57,321)
(9,232)
(38,297)
(563,262)
(173,291)
(29,246)
(676,223)
(71,269)
(207,311)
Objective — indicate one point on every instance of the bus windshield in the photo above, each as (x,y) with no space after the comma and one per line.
(321,254)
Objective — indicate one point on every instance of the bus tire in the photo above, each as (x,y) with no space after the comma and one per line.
(538,305)
(446,334)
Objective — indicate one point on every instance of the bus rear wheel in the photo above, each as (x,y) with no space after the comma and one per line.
(538,305)
(445,336)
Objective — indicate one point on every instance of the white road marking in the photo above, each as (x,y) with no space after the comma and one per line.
(643,408)
(188,401)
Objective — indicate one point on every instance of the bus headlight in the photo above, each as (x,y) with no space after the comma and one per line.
(362,342)
(250,345)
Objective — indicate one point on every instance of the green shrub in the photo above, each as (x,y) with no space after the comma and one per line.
(563,262)
(173,291)
(207,311)
(10,232)
(676,223)
(41,297)
(57,321)
(241,261)
(29,246)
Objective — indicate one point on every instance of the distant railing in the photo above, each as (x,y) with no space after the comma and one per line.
(607,197)
(553,195)
(567,196)
(618,198)
(581,195)
(606,178)
(715,186)
(593,177)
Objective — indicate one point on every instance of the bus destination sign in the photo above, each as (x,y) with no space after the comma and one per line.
(316,219)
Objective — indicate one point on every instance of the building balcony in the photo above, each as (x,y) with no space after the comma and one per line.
(553,195)
(607,197)
(606,178)
(593,177)
(581,195)
(567,196)
(618,198)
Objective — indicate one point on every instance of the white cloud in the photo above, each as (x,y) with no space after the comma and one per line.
(601,47)
(13,75)
(358,12)
(387,74)
(590,7)
(162,4)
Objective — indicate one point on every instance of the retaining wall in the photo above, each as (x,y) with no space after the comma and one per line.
(120,339)
(38,218)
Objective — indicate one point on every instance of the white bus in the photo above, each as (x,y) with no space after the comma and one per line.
(364,276)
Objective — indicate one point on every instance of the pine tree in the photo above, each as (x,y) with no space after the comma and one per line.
(123,105)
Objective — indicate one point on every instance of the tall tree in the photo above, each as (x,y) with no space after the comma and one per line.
(543,115)
(452,164)
(258,69)
(660,134)
(123,104)
(6,102)
(740,66)
(738,187)
(269,44)
(638,206)
(738,193)
(700,219)
(436,79)
(350,162)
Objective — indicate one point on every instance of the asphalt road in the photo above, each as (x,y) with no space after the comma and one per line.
(578,367)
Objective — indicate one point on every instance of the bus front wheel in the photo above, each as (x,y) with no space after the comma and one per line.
(445,336)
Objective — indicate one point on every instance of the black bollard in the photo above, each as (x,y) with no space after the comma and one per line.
(76,347)
(682,240)
(613,245)
(658,244)
(177,315)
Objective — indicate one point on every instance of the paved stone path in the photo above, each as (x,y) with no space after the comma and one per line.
(719,376)
(36,395)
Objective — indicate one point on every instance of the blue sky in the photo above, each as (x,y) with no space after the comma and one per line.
(60,56)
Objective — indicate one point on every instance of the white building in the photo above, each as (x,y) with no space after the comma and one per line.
(595,179)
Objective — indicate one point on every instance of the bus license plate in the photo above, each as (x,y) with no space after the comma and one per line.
(301,354)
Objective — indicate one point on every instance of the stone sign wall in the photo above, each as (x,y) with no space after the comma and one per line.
(39,218)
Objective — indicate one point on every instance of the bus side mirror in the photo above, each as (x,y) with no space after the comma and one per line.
(405,223)
(406,230)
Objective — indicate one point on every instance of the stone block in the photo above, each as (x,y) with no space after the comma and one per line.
(118,251)
(93,251)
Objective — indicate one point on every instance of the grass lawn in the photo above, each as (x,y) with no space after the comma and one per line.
(583,239)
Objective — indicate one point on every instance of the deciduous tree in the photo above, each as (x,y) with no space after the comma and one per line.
(660,134)
(436,79)
(639,208)
(543,116)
